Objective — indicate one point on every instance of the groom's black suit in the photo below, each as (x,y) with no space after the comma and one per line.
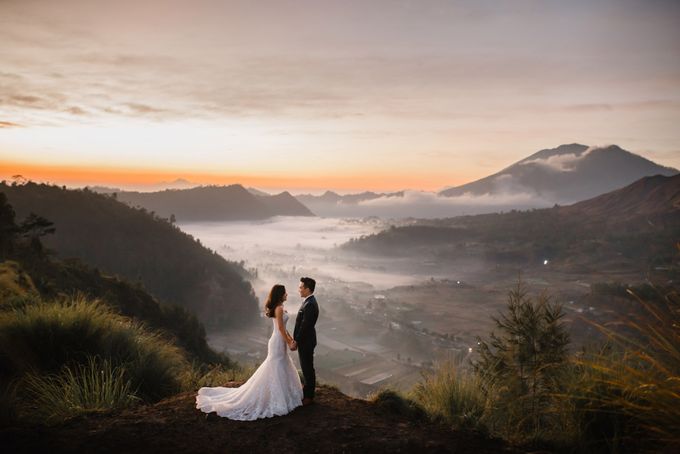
(305,336)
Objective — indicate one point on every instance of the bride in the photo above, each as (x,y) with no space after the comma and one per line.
(274,389)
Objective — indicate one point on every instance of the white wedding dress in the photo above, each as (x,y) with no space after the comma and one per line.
(273,390)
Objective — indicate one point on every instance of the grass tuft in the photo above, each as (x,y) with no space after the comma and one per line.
(93,387)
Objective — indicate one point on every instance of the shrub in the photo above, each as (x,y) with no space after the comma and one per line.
(43,338)
(452,395)
(390,401)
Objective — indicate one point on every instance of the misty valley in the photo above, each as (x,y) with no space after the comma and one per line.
(392,312)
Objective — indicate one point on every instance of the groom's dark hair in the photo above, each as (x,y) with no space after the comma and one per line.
(309,283)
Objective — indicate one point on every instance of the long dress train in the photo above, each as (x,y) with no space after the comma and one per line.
(273,390)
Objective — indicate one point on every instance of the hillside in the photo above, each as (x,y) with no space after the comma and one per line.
(135,244)
(634,226)
(653,199)
(566,174)
(335,424)
(215,203)
(28,275)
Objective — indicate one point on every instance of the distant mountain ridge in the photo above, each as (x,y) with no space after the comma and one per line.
(331,203)
(566,174)
(334,197)
(178,183)
(215,203)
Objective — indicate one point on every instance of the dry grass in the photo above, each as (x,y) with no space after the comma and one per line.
(640,381)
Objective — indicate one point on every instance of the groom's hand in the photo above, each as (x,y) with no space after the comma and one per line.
(293,346)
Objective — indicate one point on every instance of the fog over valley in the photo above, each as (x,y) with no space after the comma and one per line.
(369,325)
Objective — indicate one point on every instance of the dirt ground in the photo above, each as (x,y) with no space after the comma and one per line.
(336,423)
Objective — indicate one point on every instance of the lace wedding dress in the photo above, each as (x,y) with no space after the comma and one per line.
(273,390)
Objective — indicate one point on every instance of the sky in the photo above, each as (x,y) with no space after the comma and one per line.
(318,94)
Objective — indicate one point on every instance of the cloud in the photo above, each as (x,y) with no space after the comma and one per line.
(593,107)
(48,101)
(422,204)
(650,104)
(75,110)
(131,109)
(10,76)
(566,162)
(433,199)
(9,124)
(142,108)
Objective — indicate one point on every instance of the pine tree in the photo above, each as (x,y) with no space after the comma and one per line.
(521,364)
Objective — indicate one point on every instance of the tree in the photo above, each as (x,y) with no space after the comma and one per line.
(34,227)
(8,229)
(521,364)
(18,180)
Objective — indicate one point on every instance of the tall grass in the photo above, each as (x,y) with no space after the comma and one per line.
(95,386)
(639,382)
(452,395)
(43,338)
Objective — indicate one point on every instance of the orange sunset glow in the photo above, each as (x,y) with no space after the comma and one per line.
(140,178)
(318,95)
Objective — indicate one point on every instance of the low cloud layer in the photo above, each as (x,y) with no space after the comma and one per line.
(422,204)
(561,163)
(423,198)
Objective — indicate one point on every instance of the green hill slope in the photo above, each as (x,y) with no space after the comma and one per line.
(137,245)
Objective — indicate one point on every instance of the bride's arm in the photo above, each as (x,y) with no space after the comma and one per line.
(278,313)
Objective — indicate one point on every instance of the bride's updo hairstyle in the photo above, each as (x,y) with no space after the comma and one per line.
(274,299)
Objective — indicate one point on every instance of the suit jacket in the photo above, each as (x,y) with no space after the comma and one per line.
(304,332)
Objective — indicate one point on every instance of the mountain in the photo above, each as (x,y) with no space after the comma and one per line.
(256,191)
(137,245)
(215,203)
(103,189)
(285,204)
(333,204)
(633,227)
(562,175)
(565,174)
(649,200)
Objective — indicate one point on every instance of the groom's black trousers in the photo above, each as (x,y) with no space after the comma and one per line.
(306,355)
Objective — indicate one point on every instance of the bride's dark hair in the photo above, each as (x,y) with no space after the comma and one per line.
(274,299)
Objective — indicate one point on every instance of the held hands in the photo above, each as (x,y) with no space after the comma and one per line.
(293,345)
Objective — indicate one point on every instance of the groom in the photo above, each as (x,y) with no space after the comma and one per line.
(305,336)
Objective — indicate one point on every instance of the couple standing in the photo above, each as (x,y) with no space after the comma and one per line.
(274,389)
